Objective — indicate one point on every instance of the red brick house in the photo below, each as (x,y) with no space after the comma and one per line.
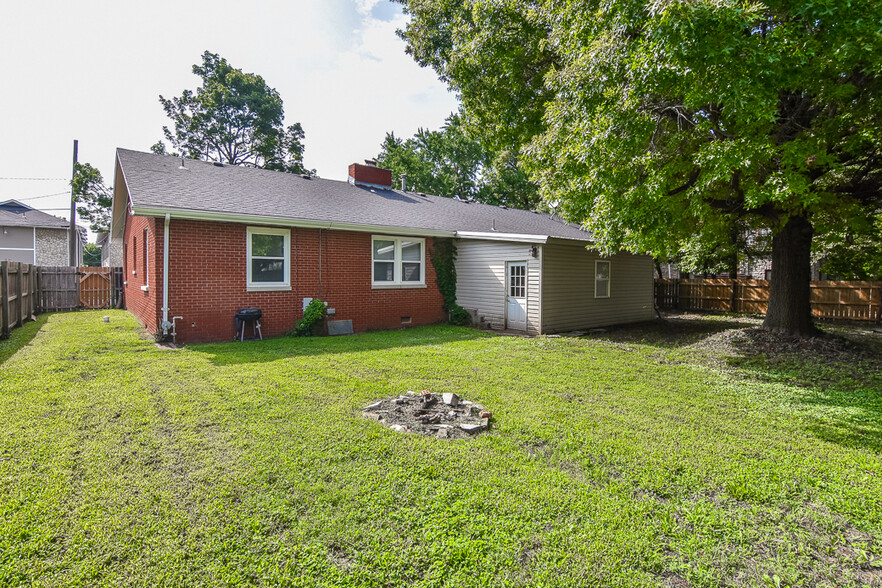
(201,240)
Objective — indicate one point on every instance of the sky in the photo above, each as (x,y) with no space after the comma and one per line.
(93,71)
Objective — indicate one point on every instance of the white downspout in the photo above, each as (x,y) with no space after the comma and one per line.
(165,324)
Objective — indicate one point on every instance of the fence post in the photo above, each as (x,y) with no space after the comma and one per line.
(38,288)
(20,300)
(30,290)
(35,286)
(4,299)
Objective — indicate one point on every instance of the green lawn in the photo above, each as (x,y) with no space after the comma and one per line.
(628,458)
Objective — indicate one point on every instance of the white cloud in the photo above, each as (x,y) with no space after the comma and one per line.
(93,70)
(365,7)
(374,88)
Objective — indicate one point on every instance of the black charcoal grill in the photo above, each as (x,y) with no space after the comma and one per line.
(246,315)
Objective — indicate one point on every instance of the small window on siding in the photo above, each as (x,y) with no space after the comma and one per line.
(601,279)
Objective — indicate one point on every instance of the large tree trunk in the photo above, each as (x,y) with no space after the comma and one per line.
(790,310)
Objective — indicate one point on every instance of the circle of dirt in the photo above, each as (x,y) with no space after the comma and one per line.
(444,416)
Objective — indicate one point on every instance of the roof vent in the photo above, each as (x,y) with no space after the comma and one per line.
(306,176)
(217,164)
(182,166)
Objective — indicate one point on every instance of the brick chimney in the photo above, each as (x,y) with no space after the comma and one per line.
(370,175)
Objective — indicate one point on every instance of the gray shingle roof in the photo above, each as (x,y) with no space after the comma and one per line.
(13,214)
(155,182)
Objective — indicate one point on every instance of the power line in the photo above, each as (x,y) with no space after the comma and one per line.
(38,179)
(43,196)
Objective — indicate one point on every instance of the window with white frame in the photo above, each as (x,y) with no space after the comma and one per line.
(601,279)
(398,261)
(269,259)
(146,261)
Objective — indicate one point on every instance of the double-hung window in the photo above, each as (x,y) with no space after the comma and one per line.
(601,279)
(146,263)
(398,262)
(269,259)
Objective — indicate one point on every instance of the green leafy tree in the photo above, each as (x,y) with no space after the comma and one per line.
(852,250)
(656,124)
(92,255)
(233,117)
(507,183)
(93,199)
(446,162)
(451,162)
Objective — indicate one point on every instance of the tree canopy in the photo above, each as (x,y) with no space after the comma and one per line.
(91,255)
(451,162)
(233,117)
(665,123)
(93,199)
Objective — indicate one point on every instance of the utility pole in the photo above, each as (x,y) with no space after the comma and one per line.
(73,210)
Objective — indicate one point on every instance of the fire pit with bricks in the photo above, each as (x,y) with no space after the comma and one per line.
(444,416)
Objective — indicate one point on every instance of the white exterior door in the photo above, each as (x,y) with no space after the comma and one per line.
(516,295)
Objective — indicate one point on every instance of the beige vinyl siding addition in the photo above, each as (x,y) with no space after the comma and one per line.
(481,280)
(568,300)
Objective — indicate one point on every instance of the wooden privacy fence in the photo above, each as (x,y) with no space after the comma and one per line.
(58,288)
(26,290)
(18,295)
(857,301)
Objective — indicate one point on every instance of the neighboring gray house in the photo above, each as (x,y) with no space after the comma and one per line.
(111,251)
(31,236)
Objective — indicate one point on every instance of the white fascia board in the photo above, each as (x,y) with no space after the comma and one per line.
(16,203)
(117,216)
(286,222)
(516,237)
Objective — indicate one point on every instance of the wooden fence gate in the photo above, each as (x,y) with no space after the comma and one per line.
(100,287)
(854,301)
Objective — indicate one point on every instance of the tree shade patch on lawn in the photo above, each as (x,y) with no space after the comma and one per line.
(621,458)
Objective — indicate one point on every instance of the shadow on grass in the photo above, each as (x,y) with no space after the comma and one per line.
(282,347)
(671,332)
(838,381)
(21,337)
